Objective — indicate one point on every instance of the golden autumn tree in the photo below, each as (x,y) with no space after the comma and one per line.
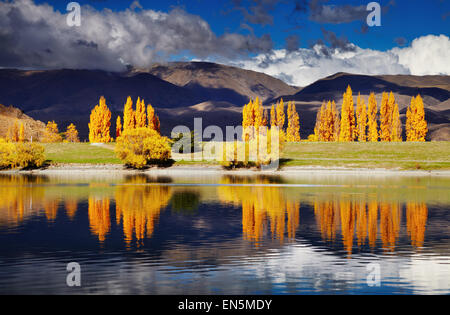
(420,122)
(273,116)
(265,121)
(396,132)
(372,133)
(348,130)
(140,114)
(51,133)
(118,127)
(410,132)
(13,132)
(252,118)
(280,115)
(153,120)
(361,119)
(21,133)
(247,119)
(100,123)
(322,127)
(72,133)
(416,125)
(293,129)
(386,115)
(335,122)
(129,121)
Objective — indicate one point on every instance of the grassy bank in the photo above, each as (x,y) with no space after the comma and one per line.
(84,153)
(405,155)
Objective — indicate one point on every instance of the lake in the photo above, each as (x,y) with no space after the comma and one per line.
(225,234)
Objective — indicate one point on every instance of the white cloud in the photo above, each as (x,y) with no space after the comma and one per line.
(427,55)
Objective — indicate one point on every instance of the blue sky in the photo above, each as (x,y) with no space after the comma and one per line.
(401,19)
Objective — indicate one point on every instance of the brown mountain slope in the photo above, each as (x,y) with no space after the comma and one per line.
(10,115)
(217,82)
(68,96)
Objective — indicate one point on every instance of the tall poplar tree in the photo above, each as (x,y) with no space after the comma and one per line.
(372,119)
(128,115)
(100,123)
(361,119)
(348,130)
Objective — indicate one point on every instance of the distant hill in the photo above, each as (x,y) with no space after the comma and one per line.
(9,115)
(69,95)
(215,82)
(181,91)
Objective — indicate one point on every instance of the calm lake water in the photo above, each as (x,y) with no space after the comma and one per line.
(225,234)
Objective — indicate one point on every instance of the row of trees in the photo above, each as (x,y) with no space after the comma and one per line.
(16,133)
(366,123)
(52,134)
(141,117)
(255,116)
(139,141)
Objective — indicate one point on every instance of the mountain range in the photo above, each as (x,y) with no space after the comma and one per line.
(181,91)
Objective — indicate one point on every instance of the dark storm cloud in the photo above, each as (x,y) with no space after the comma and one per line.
(292,42)
(400,41)
(258,12)
(111,40)
(340,44)
(324,13)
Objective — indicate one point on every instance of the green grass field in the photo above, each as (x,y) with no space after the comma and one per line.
(404,155)
(80,153)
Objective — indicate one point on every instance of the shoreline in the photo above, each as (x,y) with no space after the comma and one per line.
(201,170)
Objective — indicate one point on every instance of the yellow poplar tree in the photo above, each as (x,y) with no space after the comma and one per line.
(265,118)
(293,129)
(72,133)
(396,133)
(335,122)
(100,123)
(323,126)
(128,115)
(372,119)
(140,115)
(118,127)
(348,130)
(361,119)
(410,132)
(51,133)
(258,114)
(416,125)
(13,132)
(280,115)
(386,109)
(21,133)
(273,116)
(247,119)
(420,122)
(153,120)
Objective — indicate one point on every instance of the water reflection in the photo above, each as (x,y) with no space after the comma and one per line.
(267,211)
(264,208)
(231,225)
(139,207)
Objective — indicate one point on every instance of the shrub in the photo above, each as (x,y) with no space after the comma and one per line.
(6,153)
(142,146)
(21,155)
(249,153)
